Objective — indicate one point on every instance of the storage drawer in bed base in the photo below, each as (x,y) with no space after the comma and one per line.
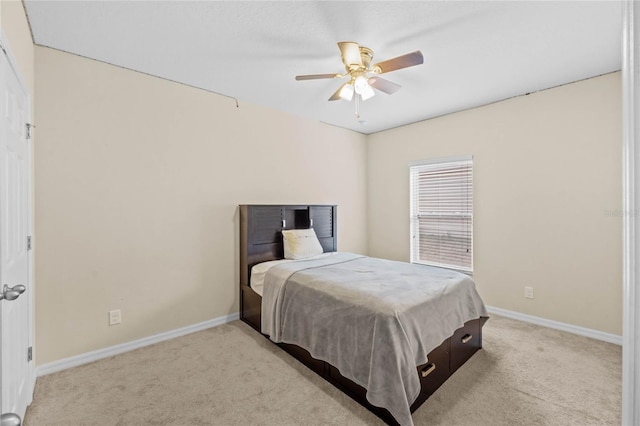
(443,361)
(432,375)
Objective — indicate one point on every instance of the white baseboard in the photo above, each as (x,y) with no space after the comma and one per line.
(88,357)
(581,331)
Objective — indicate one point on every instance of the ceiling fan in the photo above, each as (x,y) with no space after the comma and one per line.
(364,77)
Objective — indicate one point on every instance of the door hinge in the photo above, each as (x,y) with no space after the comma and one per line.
(30,353)
(29,127)
(29,242)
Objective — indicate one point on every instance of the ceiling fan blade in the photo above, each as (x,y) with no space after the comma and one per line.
(404,61)
(350,53)
(316,76)
(383,85)
(336,95)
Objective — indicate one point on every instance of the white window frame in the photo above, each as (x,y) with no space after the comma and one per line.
(414,167)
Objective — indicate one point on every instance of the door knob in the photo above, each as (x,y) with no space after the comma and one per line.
(11,293)
(10,419)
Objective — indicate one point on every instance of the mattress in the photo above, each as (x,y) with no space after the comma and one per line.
(259,271)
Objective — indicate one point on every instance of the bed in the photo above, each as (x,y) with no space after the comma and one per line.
(390,347)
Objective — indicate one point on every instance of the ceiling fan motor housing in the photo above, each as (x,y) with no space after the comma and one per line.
(367,56)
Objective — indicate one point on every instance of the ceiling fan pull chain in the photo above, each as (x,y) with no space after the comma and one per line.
(357,101)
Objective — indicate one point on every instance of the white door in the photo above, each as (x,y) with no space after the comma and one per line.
(17,371)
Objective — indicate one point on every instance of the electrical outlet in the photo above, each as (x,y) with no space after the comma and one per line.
(115,317)
(528,292)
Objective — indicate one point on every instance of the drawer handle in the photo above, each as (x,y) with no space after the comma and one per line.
(428,369)
(466,338)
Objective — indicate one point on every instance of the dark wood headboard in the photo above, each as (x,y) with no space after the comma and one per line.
(261,228)
(261,240)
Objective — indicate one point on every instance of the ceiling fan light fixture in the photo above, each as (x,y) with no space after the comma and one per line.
(362,87)
(346,92)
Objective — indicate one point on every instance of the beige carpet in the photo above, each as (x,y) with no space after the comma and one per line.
(231,375)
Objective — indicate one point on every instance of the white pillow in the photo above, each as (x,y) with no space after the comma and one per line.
(301,243)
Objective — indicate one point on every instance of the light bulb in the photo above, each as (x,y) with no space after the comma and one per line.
(367,92)
(346,92)
(360,84)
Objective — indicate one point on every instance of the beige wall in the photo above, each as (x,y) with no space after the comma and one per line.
(547,198)
(138,180)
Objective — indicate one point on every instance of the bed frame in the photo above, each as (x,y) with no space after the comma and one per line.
(261,240)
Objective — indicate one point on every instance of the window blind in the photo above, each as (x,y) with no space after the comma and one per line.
(442,213)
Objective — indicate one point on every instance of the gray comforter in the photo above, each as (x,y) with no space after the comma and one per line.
(373,319)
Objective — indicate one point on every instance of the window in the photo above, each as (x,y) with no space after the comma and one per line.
(442,213)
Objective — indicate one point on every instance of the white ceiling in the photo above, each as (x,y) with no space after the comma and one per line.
(475,53)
